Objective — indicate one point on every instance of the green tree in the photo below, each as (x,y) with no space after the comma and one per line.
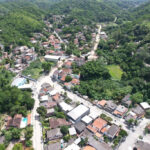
(16,133)
(2,147)
(137,98)
(148,113)
(64,130)
(46,66)
(68,78)
(42,111)
(28,133)
(18,146)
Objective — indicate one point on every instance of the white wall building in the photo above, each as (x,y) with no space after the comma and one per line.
(78,113)
(52,58)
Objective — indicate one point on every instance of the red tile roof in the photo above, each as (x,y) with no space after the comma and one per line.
(99,123)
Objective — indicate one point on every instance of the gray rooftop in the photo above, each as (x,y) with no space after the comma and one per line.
(53,146)
(113,130)
(142,145)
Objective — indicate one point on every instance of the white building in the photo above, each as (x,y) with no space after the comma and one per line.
(87,120)
(65,107)
(78,113)
(145,105)
(52,58)
(44,98)
(72,147)
(72,131)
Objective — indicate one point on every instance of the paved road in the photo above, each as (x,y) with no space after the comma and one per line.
(92,54)
(133,136)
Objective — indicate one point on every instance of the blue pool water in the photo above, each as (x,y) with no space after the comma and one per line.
(24,120)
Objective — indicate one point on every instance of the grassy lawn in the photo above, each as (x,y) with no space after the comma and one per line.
(34,70)
(115,72)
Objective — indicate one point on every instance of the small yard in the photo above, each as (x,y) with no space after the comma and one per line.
(115,72)
(34,70)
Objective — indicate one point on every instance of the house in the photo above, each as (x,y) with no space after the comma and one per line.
(113,131)
(75,81)
(54,134)
(14,122)
(72,131)
(65,107)
(130,116)
(141,145)
(110,106)
(72,147)
(87,120)
(101,103)
(56,97)
(126,101)
(120,111)
(68,85)
(139,111)
(55,75)
(50,112)
(89,148)
(44,98)
(79,126)
(145,105)
(53,146)
(68,64)
(97,125)
(54,122)
(78,113)
(98,145)
(2,139)
(52,58)
(79,61)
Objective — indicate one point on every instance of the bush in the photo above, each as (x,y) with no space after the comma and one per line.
(28,143)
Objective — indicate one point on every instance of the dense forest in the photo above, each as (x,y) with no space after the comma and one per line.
(128,47)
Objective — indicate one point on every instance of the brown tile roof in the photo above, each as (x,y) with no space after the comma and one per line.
(89,148)
(63,78)
(102,102)
(54,122)
(29,119)
(99,123)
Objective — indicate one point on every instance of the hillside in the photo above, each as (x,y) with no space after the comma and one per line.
(18,20)
(127,47)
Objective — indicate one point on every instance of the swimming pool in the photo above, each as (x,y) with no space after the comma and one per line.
(23,122)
